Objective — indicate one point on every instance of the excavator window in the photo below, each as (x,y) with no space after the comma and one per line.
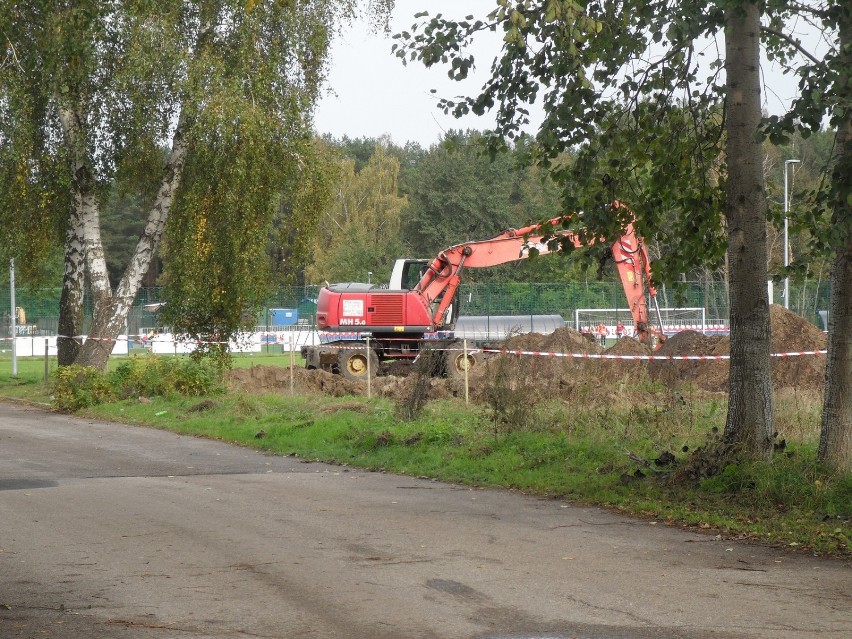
(412,272)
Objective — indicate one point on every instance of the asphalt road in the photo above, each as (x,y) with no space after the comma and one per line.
(124,532)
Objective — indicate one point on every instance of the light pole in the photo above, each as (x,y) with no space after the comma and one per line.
(13,317)
(787,163)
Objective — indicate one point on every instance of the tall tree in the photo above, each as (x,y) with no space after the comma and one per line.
(825,92)
(360,230)
(634,57)
(458,195)
(306,196)
(750,403)
(101,87)
(835,446)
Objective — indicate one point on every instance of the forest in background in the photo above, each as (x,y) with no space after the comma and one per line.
(390,201)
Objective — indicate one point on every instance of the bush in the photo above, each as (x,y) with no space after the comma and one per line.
(152,376)
(76,387)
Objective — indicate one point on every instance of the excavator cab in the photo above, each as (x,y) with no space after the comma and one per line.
(406,273)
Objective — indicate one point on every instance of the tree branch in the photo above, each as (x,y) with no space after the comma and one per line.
(790,40)
(14,57)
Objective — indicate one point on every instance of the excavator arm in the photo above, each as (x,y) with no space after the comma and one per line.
(440,281)
(634,269)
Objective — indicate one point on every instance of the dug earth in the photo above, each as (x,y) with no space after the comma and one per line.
(549,376)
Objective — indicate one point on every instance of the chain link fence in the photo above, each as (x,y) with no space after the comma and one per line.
(37,310)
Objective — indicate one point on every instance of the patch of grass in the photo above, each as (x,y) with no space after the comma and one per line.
(29,383)
(621,453)
(790,501)
(798,414)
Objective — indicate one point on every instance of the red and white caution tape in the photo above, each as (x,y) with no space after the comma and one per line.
(639,357)
(357,346)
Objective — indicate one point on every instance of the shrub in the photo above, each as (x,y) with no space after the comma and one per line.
(76,387)
(151,376)
(428,365)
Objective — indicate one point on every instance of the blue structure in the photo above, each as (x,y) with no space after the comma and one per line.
(283,316)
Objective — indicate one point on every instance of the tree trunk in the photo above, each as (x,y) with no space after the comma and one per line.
(835,444)
(71,301)
(749,427)
(111,309)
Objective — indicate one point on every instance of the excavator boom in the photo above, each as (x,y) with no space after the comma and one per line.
(440,281)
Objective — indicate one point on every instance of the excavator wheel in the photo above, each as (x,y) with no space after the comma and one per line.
(352,363)
(456,363)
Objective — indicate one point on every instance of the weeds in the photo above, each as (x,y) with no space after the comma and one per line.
(78,387)
(155,376)
(510,403)
(429,364)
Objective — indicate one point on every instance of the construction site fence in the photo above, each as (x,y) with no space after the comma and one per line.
(294,308)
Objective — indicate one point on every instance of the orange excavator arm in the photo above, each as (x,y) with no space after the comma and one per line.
(439,283)
(634,269)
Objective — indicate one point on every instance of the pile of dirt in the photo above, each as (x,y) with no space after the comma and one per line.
(627,367)
(566,378)
(267,379)
(709,375)
(400,389)
(628,346)
(276,379)
(790,333)
(547,376)
(562,340)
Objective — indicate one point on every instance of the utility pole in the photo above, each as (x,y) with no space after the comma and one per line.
(13,316)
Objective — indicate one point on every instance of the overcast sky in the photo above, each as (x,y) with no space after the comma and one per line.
(371,93)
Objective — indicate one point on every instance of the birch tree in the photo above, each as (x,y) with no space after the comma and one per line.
(124,93)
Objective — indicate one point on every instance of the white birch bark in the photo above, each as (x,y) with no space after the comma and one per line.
(71,300)
(110,310)
(110,316)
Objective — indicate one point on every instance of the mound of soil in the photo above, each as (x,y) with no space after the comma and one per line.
(621,368)
(545,376)
(709,375)
(562,340)
(790,333)
(566,378)
(276,379)
(273,379)
(399,389)
(628,346)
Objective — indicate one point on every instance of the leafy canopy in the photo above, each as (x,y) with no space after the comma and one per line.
(634,88)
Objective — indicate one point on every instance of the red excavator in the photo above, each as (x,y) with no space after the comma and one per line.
(397,321)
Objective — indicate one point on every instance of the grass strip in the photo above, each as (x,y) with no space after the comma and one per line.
(586,453)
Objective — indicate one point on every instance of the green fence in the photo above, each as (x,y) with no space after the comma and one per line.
(41,306)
